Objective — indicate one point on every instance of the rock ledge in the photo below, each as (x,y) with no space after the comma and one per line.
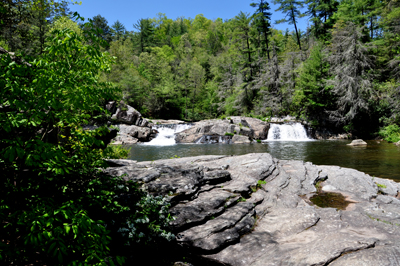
(227,216)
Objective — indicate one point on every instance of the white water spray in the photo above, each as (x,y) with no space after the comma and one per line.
(287,132)
(166,134)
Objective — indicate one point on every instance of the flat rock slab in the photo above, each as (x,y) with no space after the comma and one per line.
(255,210)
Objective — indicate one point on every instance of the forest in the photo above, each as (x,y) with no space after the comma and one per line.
(342,71)
(57,71)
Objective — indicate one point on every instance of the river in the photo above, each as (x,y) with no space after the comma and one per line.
(378,158)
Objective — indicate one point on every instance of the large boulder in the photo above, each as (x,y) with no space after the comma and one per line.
(132,126)
(126,114)
(218,130)
(131,134)
(256,210)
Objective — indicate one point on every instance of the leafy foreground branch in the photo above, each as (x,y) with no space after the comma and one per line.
(56,205)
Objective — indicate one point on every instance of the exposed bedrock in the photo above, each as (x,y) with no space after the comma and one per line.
(235,129)
(226,216)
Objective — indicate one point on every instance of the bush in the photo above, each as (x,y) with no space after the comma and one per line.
(229,134)
(57,206)
(116,152)
(390,133)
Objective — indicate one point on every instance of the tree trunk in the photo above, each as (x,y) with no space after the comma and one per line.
(295,27)
(248,51)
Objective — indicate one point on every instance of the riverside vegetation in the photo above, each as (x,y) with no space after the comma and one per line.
(57,73)
(57,207)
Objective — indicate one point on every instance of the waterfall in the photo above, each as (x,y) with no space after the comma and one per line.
(287,132)
(166,134)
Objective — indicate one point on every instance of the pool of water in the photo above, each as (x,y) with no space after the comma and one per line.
(378,158)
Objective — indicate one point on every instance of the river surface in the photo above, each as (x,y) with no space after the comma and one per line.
(380,159)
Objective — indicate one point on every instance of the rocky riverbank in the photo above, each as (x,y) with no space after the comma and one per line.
(257,210)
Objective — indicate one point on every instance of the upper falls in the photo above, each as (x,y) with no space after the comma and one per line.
(287,132)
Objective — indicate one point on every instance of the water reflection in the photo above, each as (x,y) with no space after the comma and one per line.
(379,159)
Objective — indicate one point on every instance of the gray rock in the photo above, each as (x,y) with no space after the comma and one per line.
(215,130)
(240,139)
(111,106)
(357,142)
(136,132)
(225,215)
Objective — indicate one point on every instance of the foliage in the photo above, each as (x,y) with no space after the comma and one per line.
(312,93)
(116,152)
(380,185)
(199,68)
(291,10)
(57,207)
(390,133)
(260,183)
(352,81)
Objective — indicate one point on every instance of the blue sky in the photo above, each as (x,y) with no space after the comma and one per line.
(129,12)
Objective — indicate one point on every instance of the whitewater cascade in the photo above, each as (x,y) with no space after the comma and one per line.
(166,134)
(287,132)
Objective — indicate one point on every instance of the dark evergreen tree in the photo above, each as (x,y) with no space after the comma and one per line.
(311,85)
(350,65)
(270,83)
(291,9)
(261,20)
(118,30)
(144,37)
(103,31)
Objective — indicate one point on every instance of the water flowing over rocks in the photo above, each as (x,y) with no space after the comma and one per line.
(226,216)
(225,131)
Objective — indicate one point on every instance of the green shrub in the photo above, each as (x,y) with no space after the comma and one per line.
(390,133)
(259,141)
(57,206)
(116,152)
(229,134)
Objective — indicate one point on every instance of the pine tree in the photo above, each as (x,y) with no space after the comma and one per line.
(261,19)
(145,35)
(350,65)
(310,90)
(103,31)
(291,9)
(118,30)
(270,80)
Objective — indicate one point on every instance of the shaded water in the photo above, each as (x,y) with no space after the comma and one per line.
(330,200)
(379,159)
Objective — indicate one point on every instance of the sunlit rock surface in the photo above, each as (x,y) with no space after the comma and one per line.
(227,216)
(217,131)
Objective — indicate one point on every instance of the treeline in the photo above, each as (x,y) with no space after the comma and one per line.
(343,70)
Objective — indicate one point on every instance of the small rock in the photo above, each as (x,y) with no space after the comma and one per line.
(357,142)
